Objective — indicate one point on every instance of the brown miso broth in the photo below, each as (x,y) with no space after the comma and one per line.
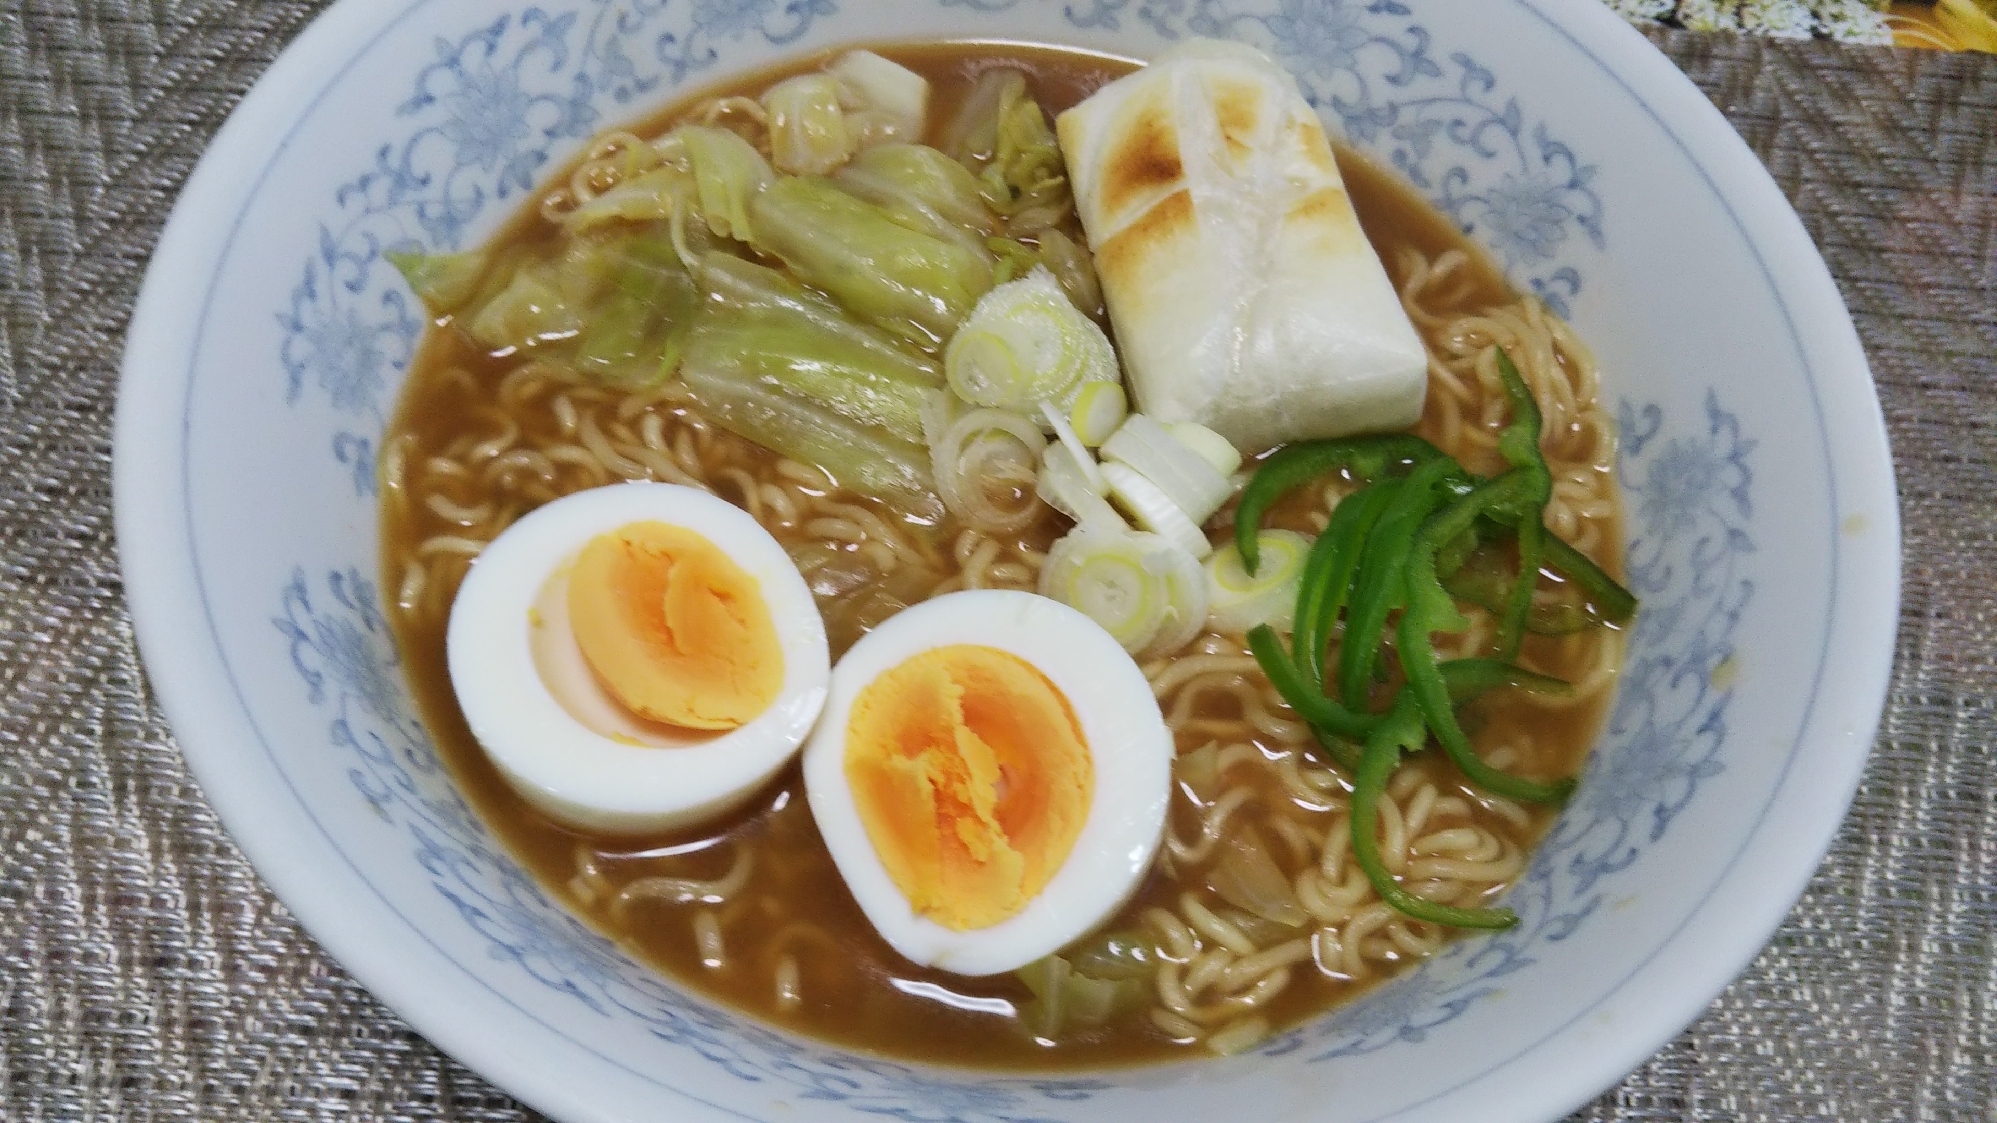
(797,950)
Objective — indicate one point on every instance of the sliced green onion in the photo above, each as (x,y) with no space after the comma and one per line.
(1237,602)
(1146,593)
(1085,461)
(1099,408)
(1155,511)
(1023,344)
(1067,487)
(1185,478)
(1210,446)
(981,447)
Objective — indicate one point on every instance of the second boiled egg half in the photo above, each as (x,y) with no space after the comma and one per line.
(637,657)
(991,776)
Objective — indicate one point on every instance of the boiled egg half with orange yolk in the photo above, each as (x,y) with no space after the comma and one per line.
(991,776)
(637,657)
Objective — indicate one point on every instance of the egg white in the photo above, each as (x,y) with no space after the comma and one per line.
(568,770)
(1129,744)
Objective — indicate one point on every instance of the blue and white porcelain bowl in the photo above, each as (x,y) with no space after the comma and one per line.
(271,337)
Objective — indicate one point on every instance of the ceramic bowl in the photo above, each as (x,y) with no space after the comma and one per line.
(271,337)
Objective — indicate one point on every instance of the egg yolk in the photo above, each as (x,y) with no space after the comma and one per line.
(970,773)
(673,628)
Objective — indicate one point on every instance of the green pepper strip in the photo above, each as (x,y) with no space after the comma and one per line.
(1366,457)
(1430,609)
(1468,678)
(1519,445)
(1327,576)
(1612,602)
(1379,587)
(1309,702)
(1402,730)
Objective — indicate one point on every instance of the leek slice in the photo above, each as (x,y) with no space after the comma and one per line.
(1180,473)
(912,284)
(1085,461)
(980,448)
(1237,602)
(1147,593)
(1216,450)
(1155,511)
(808,130)
(1065,485)
(1100,408)
(1025,344)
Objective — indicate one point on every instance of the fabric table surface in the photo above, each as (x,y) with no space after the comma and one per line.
(146,973)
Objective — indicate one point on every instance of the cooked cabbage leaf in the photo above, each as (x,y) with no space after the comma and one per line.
(914,285)
(1026,179)
(444,282)
(760,326)
(808,130)
(1001,134)
(971,137)
(888,101)
(785,367)
(644,198)
(727,171)
(1071,265)
(922,189)
(632,334)
(531,311)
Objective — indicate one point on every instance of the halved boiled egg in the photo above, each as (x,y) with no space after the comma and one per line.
(991,776)
(637,657)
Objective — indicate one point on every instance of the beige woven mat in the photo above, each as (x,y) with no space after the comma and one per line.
(146,974)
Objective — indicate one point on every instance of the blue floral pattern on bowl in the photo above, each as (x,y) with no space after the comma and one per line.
(498,106)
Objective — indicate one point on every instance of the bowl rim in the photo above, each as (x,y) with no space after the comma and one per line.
(164,594)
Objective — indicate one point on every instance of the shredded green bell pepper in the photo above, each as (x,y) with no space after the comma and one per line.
(1309,702)
(1327,577)
(1379,587)
(1430,609)
(1402,730)
(1293,465)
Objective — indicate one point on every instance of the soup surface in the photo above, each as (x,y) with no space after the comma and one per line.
(752,911)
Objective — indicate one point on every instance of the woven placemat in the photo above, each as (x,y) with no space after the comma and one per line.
(145,972)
